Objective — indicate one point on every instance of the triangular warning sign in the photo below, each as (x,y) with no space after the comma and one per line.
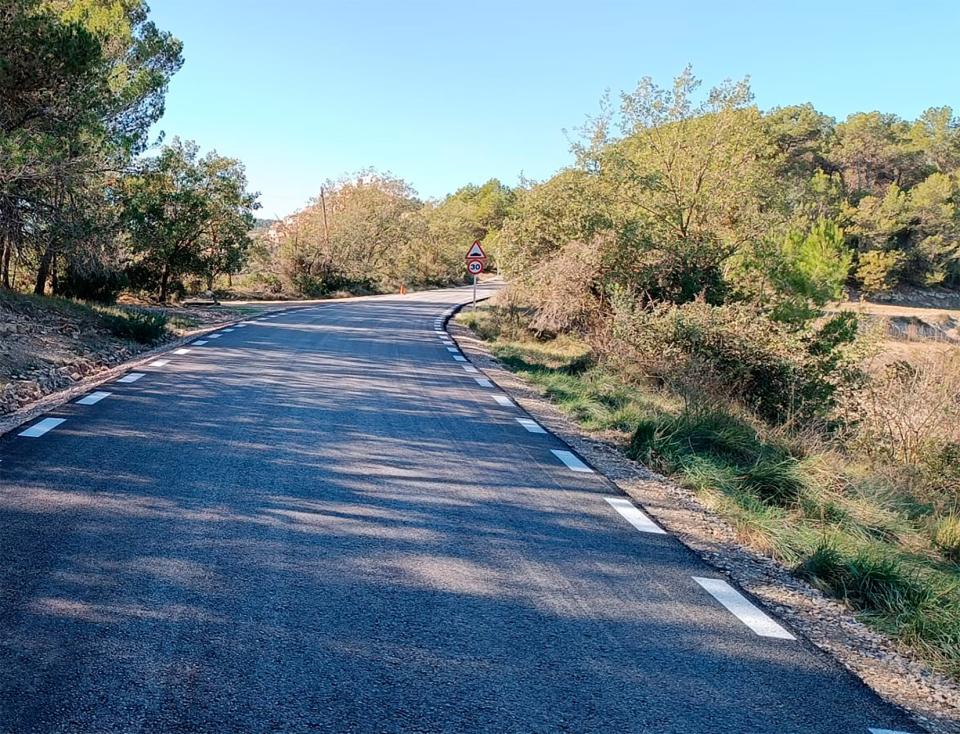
(476,250)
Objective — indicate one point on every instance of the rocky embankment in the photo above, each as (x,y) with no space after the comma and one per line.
(46,344)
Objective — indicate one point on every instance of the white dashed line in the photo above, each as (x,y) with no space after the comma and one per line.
(453,349)
(93,398)
(469,368)
(503,400)
(530,425)
(886,731)
(227,331)
(483,382)
(159,363)
(741,608)
(634,516)
(199,343)
(214,336)
(132,377)
(572,462)
(38,429)
(460,358)
(181,352)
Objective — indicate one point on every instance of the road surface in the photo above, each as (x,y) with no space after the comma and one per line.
(326,521)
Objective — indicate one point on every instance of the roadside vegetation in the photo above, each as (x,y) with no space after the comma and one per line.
(675,287)
(676,290)
(856,511)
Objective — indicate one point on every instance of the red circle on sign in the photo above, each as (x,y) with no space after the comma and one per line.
(475,267)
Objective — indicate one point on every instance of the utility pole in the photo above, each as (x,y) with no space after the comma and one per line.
(326,232)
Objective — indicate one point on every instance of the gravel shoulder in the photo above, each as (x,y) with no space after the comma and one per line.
(900,678)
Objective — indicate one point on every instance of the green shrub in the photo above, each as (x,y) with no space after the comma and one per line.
(775,480)
(736,352)
(875,581)
(824,567)
(145,327)
(716,450)
(946,537)
(878,270)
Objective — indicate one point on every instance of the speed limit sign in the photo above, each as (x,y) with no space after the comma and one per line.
(475,267)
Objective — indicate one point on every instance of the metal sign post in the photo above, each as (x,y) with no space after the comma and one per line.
(476,259)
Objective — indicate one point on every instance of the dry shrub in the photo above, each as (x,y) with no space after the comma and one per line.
(909,412)
(566,291)
(734,353)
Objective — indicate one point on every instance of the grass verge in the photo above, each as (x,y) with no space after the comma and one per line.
(858,535)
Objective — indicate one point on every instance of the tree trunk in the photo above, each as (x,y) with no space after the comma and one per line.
(43,270)
(164,282)
(54,278)
(5,262)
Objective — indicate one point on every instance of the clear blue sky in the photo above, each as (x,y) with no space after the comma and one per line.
(447,93)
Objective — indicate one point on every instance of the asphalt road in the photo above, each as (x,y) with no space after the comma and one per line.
(322,522)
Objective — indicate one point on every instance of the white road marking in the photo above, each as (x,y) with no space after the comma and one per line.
(159,363)
(38,429)
(199,343)
(483,382)
(634,516)
(469,368)
(572,462)
(93,398)
(530,425)
(181,352)
(132,377)
(453,349)
(214,336)
(503,400)
(886,731)
(227,331)
(460,358)
(740,607)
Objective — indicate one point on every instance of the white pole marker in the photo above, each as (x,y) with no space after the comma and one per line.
(634,516)
(572,462)
(741,608)
(38,429)
(94,398)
